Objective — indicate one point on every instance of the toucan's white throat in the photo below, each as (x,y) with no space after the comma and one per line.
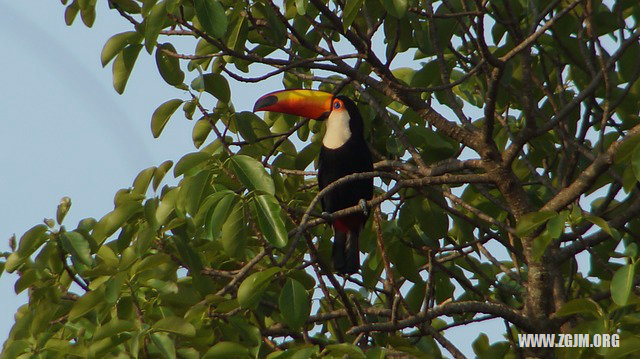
(338,131)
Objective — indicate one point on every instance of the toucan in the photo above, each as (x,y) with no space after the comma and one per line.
(344,151)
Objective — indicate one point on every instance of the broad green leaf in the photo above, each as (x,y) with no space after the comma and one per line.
(351,10)
(167,205)
(294,304)
(628,345)
(234,229)
(580,306)
(635,162)
(189,161)
(191,191)
(301,6)
(169,66)
(162,114)
(159,173)
(88,15)
(123,65)
(71,12)
(397,8)
(604,225)
(252,174)
(142,180)
(211,15)
(533,220)
(176,325)
(244,124)
(200,132)
(116,44)
(251,289)
(225,201)
(89,301)
(31,240)
(112,328)
(27,278)
(224,350)
(154,23)
(77,246)
(165,345)
(107,256)
(63,208)
(555,227)
(622,283)
(129,6)
(270,220)
(108,224)
(345,349)
(218,86)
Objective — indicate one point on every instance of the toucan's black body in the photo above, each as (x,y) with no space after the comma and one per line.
(352,157)
(344,151)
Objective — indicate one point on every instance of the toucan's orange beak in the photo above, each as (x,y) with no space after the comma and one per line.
(306,103)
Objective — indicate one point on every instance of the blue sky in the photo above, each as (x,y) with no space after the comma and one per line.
(66,132)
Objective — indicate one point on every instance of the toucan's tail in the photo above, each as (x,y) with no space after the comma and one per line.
(345,252)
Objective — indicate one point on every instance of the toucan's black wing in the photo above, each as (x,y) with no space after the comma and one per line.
(333,164)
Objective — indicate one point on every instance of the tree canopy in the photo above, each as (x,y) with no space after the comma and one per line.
(506,143)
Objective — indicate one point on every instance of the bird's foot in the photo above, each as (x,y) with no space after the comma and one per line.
(365,208)
(325,215)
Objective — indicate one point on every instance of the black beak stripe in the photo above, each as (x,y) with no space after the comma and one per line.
(265,102)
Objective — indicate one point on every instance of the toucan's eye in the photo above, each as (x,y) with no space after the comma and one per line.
(337,105)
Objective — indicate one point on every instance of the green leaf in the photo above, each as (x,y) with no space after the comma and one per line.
(191,192)
(270,221)
(189,161)
(77,246)
(397,8)
(70,13)
(251,289)
(234,229)
(108,224)
(88,15)
(162,114)
(294,304)
(604,225)
(555,227)
(628,345)
(201,131)
(622,283)
(63,208)
(116,44)
(252,174)
(224,350)
(635,162)
(301,7)
(244,124)
(88,302)
(129,6)
(159,173)
(580,306)
(169,66)
(154,23)
(31,240)
(345,349)
(112,328)
(351,10)
(165,345)
(211,15)
(176,325)
(123,65)
(142,180)
(218,86)
(533,220)
(225,201)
